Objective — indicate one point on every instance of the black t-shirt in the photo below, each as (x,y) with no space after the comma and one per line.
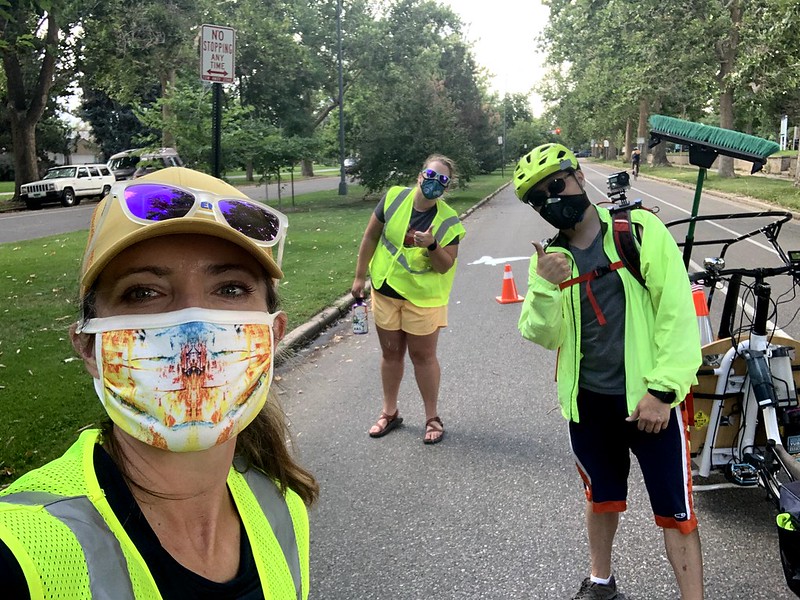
(174,581)
(420,221)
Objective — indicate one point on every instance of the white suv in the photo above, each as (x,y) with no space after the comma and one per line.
(68,185)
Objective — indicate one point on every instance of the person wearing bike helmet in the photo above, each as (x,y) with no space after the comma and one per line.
(628,354)
(636,157)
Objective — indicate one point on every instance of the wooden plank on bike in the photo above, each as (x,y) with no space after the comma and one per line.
(707,384)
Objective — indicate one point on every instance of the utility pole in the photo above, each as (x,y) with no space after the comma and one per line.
(503,158)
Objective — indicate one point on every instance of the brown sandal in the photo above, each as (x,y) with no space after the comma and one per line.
(392,421)
(429,428)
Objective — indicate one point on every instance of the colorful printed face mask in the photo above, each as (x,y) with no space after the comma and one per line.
(186,380)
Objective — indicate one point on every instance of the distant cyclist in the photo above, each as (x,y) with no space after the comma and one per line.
(636,157)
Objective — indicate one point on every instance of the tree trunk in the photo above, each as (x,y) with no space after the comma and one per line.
(249,170)
(725,163)
(26,106)
(26,165)
(641,132)
(628,140)
(797,169)
(660,155)
(167,85)
(727,50)
(307,167)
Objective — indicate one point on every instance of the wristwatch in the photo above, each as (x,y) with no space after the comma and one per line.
(665,397)
(433,246)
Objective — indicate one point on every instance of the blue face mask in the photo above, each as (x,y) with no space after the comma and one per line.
(431,188)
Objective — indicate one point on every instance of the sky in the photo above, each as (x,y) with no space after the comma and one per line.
(504,35)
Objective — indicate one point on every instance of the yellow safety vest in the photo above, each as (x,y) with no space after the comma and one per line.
(70,544)
(408,270)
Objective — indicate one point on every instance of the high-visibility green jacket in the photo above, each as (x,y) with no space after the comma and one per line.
(70,544)
(662,340)
(408,270)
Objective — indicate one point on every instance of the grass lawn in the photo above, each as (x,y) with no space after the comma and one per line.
(47,397)
(6,191)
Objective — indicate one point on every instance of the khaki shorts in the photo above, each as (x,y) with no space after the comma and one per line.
(394,314)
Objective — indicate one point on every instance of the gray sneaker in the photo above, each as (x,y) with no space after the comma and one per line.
(597,591)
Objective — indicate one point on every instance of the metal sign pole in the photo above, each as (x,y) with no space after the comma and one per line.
(216,127)
(217,65)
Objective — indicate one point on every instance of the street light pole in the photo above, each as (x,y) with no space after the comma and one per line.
(342,181)
(503,158)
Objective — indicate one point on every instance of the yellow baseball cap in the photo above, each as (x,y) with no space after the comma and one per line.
(112,230)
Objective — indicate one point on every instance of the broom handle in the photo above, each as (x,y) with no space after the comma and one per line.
(689,242)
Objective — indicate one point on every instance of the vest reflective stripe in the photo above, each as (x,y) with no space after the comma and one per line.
(408,270)
(277,512)
(440,234)
(393,250)
(389,212)
(108,570)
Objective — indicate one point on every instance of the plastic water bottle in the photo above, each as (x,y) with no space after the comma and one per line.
(360,322)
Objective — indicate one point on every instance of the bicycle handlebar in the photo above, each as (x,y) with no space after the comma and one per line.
(761,290)
(757,273)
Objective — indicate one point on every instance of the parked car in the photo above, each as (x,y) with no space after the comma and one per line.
(583,154)
(125,164)
(68,184)
(350,165)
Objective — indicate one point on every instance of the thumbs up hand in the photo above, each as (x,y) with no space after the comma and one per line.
(553,266)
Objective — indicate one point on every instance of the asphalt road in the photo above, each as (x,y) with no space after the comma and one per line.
(496,510)
(54,219)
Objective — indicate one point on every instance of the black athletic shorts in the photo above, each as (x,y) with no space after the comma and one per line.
(602,443)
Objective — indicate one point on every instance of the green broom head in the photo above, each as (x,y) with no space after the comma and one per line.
(707,142)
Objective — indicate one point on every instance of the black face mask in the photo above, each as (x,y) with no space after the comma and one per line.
(564,212)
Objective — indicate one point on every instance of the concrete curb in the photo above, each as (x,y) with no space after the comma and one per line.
(301,336)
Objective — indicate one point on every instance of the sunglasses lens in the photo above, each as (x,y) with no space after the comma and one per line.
(431,174)
(536,198)
(153,202)
(556,187)
(254,221)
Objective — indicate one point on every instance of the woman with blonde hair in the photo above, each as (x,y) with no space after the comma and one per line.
(411,247)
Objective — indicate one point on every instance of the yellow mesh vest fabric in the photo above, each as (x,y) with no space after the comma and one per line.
(427,288)
(276,579)
(53,561)
(50,545)
(48,553)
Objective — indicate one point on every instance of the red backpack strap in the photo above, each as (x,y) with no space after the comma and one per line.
(598,272)
(627,248)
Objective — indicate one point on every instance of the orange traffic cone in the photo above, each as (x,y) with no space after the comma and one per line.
(703,321)
(509,293)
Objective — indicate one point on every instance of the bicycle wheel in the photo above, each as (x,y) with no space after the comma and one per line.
(778,469)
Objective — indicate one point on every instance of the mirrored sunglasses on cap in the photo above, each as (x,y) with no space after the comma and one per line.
(441,178)
(538,198)
(148,203)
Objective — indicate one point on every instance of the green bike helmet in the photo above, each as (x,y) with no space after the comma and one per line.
(539,164)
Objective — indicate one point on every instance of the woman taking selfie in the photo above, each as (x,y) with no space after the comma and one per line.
(189,489)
